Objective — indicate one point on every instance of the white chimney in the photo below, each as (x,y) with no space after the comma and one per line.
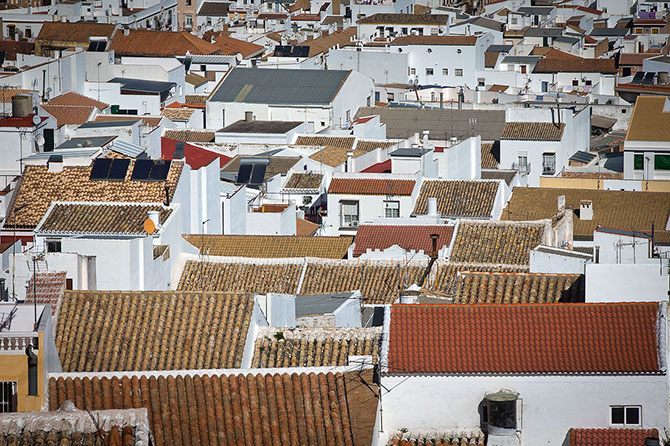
(55,163)
(586,210)
(561,203)
(155,217)
(432,206)
(350,162)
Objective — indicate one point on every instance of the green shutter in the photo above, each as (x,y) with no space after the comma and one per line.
(662,162)
(638,162)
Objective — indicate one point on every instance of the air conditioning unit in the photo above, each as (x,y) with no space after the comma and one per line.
(354,224)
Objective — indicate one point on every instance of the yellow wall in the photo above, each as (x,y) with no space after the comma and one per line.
(594,183)
(14,367)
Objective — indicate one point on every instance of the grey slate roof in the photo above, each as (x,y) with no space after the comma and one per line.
(142,85)
(413,153)
(521,59)
(214,9)
(104,124)
(319,303)
(609,32)
(280,87)
(499,48)
(530,10)
(483,22)
(442,123)
(243,126)
(78,143)
(566,39)
(543,32)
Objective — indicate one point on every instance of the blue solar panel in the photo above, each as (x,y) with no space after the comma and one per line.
(118,170)
(258,174)
(100,169)
(244,174)
(159,171)
(142,169)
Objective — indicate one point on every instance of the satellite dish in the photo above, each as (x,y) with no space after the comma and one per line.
(39,140)
(149,226)
(36,120)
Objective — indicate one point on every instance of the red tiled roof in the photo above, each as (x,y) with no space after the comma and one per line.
(193,410)
(610,437)
(68,114)
(634,58)
(72,98)
(160,43)
(196,157)
(361,186)
(408,237)
(49,288)
(576,65)
(522,339)
(230,46)
(383,167)
(19,122)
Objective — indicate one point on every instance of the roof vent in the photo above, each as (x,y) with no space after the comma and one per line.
(586,210)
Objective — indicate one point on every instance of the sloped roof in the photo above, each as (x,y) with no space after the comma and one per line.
(476,438)
(613,338)
(304,181)
(48,287)
(495,242)
(76,99)
(178,114)
(246,409)
(579,65)
(518,288)
(326,141)
(533,131)
(69,115)
(6,94)
(136,330)
(79,32)
(99,218)
(408,237)
(229,45)
(278,165)
(458,198)
(631,211)
(650,120)
(188,135)
(214,9)
(259,278)
(447,273)
(324,43)
(436,40)
(610,437)
(305,228)
(160,43)
(280,87)
(147,121)
(489,152)
(313,347)
(39,187)
(414,19)
(12,48)
(195,80)
(369,186)
(270,246)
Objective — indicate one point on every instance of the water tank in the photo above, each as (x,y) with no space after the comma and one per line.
(22,105)
(501,409)
(663,77)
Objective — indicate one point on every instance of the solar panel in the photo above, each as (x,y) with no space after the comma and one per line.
(118,170)
(649,78)
(244,174)
(637,80)
(100,169)
(258,174)
(159,170)
(142,169)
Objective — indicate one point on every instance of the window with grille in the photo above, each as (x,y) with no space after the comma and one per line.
(429,71)
(349,214)
(548,163)
(392,209)
(8,401)
(459,72)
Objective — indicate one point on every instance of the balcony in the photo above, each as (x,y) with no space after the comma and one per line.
(521,167)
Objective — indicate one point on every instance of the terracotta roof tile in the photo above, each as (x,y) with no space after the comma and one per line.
(436,40)
(99,218)
(650,121)
(313,347)
(360,186)
(368,146)
(6,94)
(178,114)
(634,58)
(631,211)
(195,99)
(72,98)
(79,32)
(537,339)
(610,437)
(565,65)
(190,135)
(518,288)
(324,43)
(12,48)
(336,141)
(408,237)
(489,160)
(418,19)
(195,79)
(270,246)
(228,45)
(147,121)
(305,228)
(69,115)
(334,155)
(160,43)
(496,242)
(490,59)
(134,330)
(49,288)
(259,278)
(446,274)
(39,187)
(458,198)
(532,131)
(331,156)
(303,181)
(194,410)
(441,438)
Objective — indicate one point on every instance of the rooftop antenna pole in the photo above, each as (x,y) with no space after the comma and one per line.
(14,253)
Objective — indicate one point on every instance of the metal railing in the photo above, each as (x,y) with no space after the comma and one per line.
(521,167)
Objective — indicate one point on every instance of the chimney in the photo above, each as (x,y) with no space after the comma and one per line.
(433,238)
(178,151)
(432,206)
(561,203)
(425,138)
(126,31)
(441,100)
(248,116)
(350,162)
(155,217)
(336,7)
(586,210)
(55,163)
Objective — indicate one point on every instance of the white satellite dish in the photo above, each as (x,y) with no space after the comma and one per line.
(36,119)
(40,140)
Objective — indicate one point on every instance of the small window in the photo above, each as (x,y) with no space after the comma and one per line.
(458,72)
(481,82)
(392,209)
(203,68)
(53,246)
(662,162)
(349,214)
(348,115)
(638,161)
(390,97)
(29,32)
(429,50)
(209,21)
(445,71)
(625,415)
(654,31)
(188,20)
(548,163)
(588,83)
(515,20)
(412,71)
(429,71)
(8,400)
(369,101)
(575,83)
(403,31)
(626,71)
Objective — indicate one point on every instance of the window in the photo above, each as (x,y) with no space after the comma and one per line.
(524,68)
(625,415)
(53,246)
(522,163)
(654,31)
(188,20)
(548,163)
(588,82)
(458,72)
(188,2)
(403,31)
(662,162)
(369,101)
(575,83)
(481,82)
(515,20)
(209,21)
(29,32)
(32,371)
(8,400)
(390,97)
(349,214)
(638,30)
(638,161)
(626,71)
(412,71)
(445,71)
(392,209)
(377,96)
(203,68)
(429,71)
(348,115)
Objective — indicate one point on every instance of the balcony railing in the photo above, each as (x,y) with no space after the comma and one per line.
(16,342)
(521,167)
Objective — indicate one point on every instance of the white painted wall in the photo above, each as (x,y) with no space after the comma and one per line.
(550,263)
(623,249)
(279,309)
(627,283)
(235,212)
(257,320)
(349,313)
(379,64)
(551,405)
